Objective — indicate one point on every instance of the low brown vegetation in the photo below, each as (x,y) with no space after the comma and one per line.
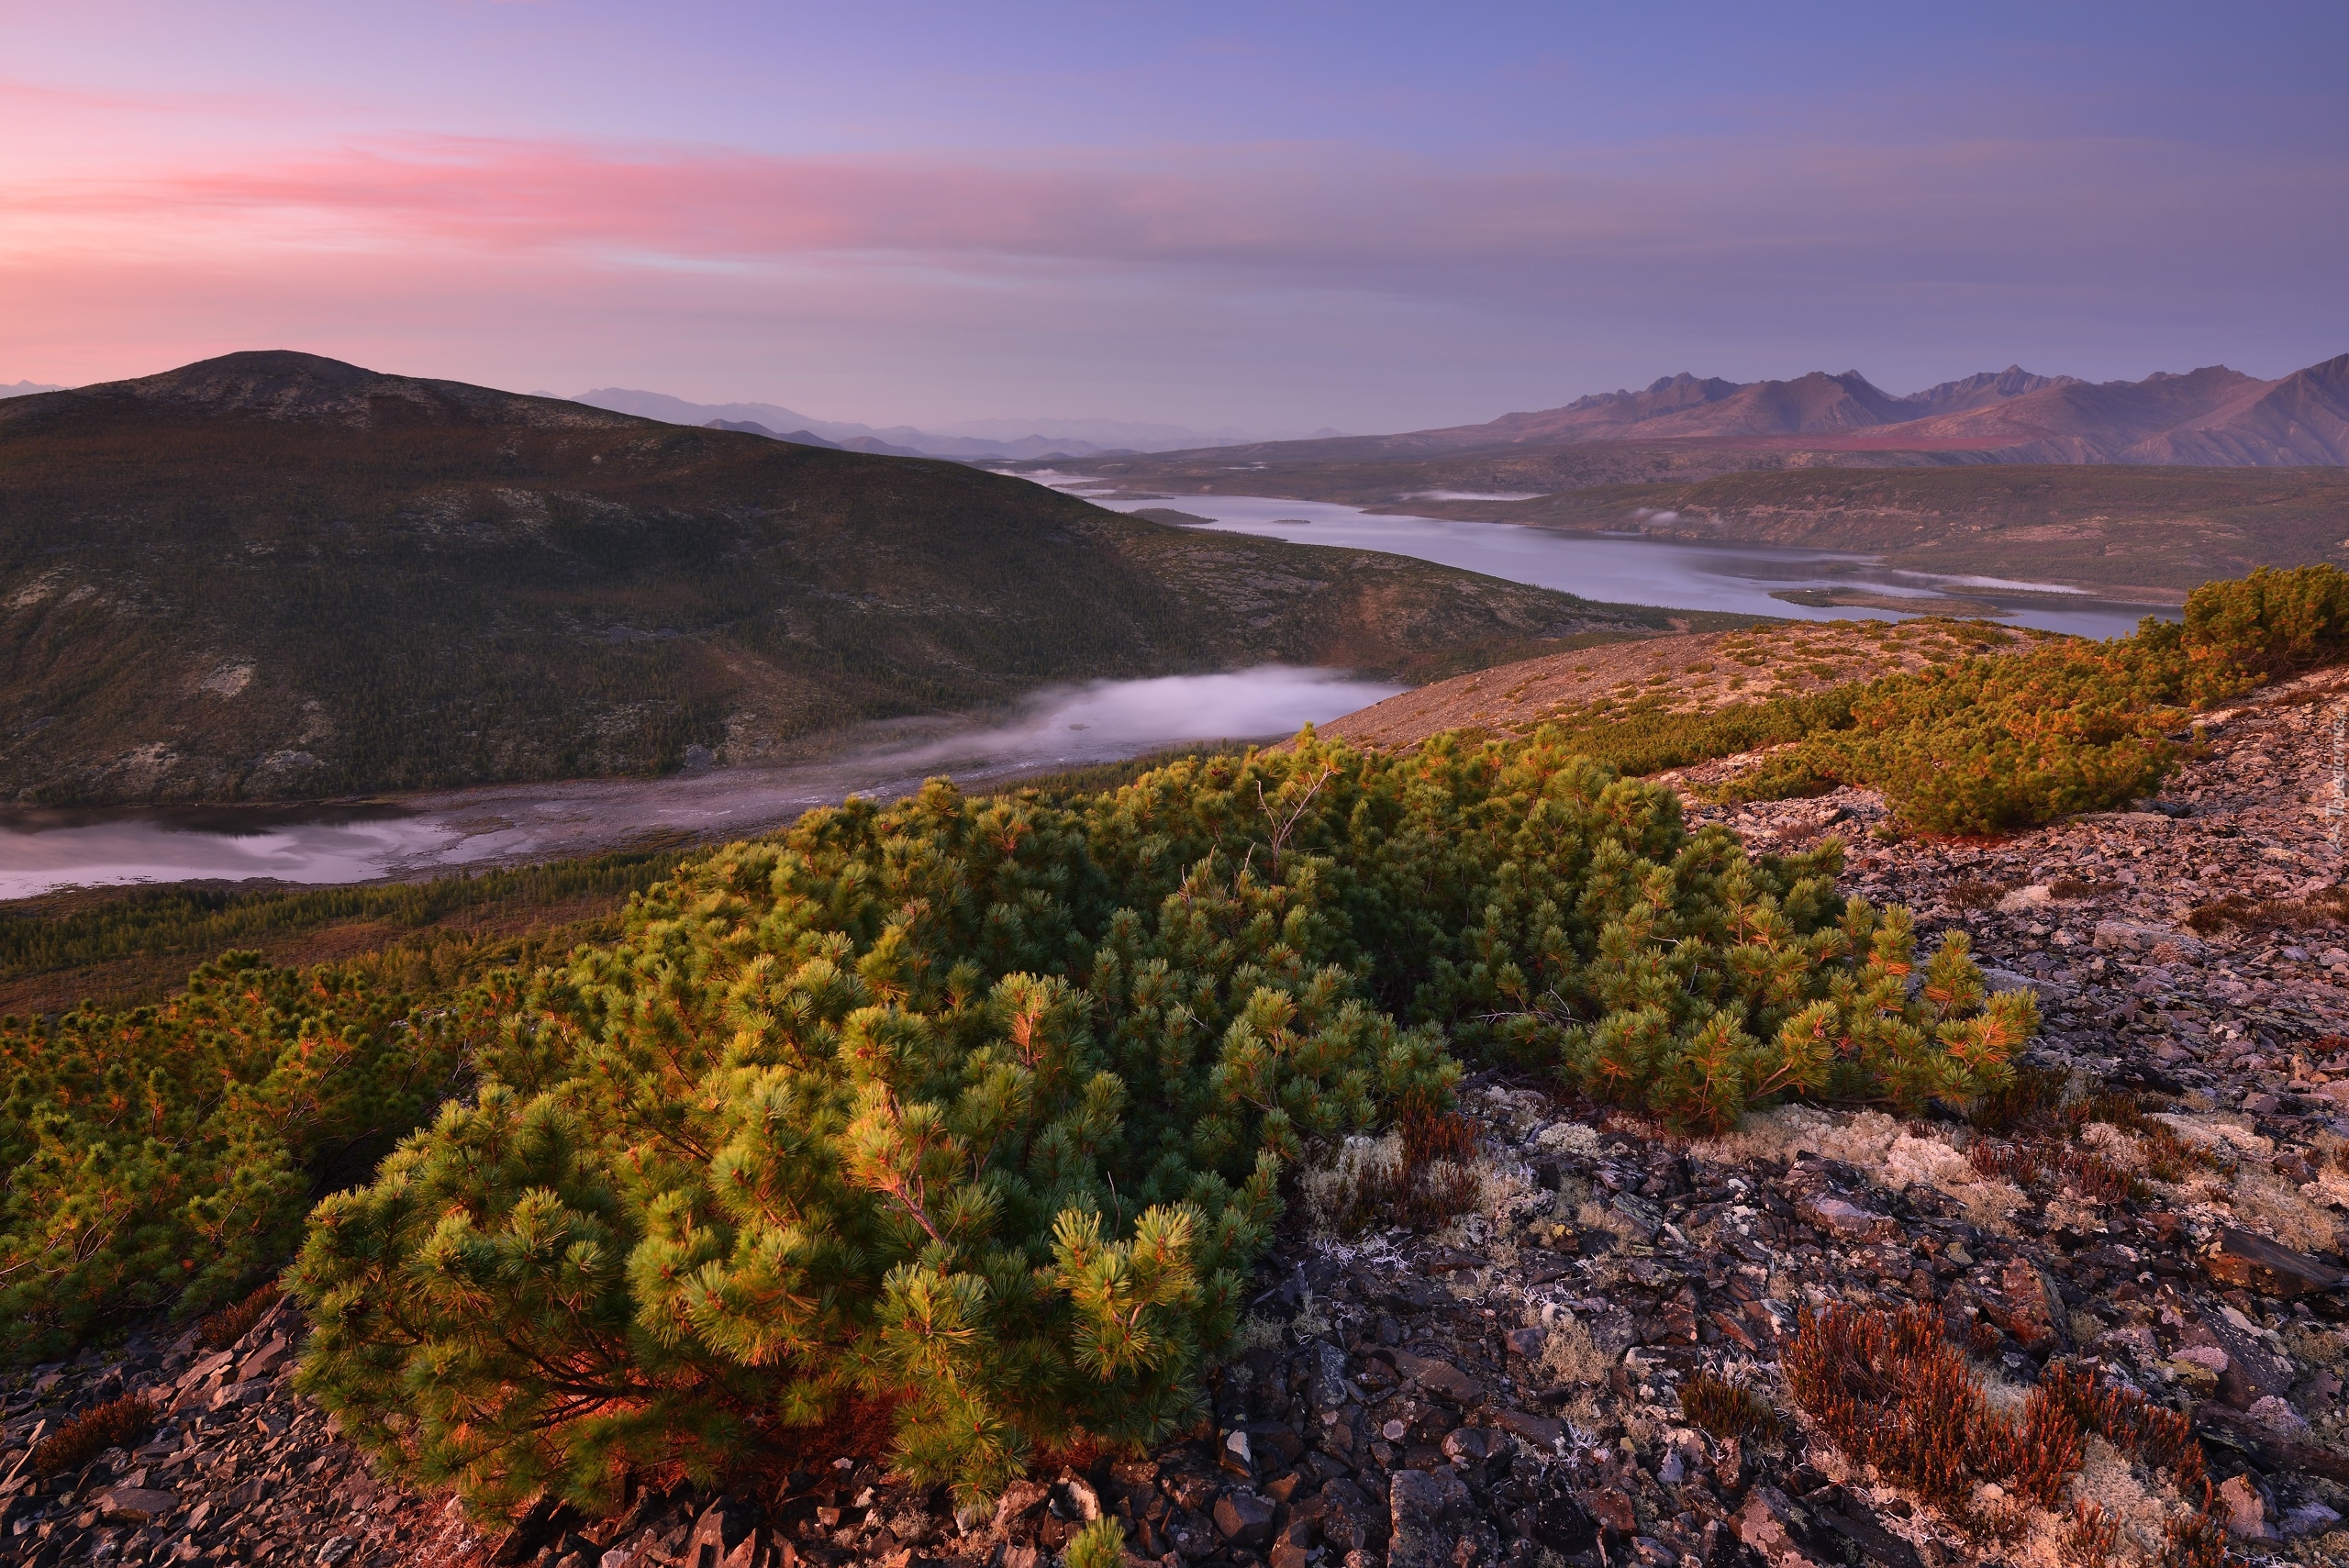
(1422,1177)
(2043,1162)
(1891,1390)
(119,1423)
(2032,1135)
(2330,908)
(1727,1409)
(226,1326)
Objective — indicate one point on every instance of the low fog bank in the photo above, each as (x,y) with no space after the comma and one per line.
(1067,727)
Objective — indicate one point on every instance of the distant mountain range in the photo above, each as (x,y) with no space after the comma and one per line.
(1022,438)
(2213,416)
(25,388)
(810,438)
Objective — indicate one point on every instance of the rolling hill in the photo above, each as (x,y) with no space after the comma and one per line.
(272,575)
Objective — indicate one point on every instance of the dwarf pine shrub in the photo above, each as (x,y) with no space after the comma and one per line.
(977,1110)
(164,1158)
(2270,623)
(1992,744)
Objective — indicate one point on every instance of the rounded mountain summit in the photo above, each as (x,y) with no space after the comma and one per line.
(273,576)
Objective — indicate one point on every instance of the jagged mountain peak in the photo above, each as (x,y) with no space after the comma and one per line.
(1662,394)
(1982,389)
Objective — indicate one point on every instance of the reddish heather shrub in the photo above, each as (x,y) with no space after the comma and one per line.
(2089,1539)
(1433,1184)
(119,1423)
(2033,1162)
(1726,1409)
(226,1326)
(1892,1390)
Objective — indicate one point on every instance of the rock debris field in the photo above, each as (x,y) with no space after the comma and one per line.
(1589,1362)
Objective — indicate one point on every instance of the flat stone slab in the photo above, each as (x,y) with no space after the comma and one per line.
(1439,1377)
(2256,1264)
(139,1504)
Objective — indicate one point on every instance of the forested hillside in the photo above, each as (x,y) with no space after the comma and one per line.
(273,576)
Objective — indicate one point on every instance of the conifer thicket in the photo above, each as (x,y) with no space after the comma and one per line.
(977,1109)
(164,1157)
(2000,741)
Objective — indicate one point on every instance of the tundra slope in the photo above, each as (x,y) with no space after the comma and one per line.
(1692,673)
(272,575)
(1514,1385)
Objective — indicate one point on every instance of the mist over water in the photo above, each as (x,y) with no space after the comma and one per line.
(39,851)
(1102,721)
(1109,721)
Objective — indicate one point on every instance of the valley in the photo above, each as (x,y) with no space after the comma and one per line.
(275,576)
(2149,532)
(2135,489)
(2139,532)
(433,833)
(1705,573)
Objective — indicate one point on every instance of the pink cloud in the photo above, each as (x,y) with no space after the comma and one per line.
(1355,219)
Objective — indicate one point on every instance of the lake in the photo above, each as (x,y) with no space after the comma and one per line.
(1070,727)
(1633,571)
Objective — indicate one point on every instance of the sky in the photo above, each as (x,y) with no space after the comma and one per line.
(1271,216)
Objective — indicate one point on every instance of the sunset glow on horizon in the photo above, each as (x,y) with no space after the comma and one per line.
(1203,214)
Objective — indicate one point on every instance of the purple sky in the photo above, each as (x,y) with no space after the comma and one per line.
(1275,216)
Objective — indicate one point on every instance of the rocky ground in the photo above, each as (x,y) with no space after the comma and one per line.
(1508,1389)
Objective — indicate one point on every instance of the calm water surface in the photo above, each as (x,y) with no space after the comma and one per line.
(1632,570)
(1105,721)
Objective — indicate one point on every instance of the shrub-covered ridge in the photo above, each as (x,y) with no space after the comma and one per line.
(977,1110)
(1997,743)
